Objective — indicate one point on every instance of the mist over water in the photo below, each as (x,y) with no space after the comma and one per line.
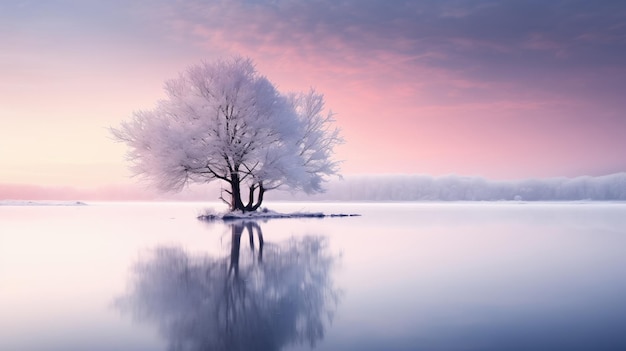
(403,276)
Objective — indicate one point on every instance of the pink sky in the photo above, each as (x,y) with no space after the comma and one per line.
(500,90)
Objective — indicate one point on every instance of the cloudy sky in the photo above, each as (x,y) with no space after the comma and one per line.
(500,89)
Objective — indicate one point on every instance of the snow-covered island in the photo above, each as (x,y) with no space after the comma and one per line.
(265,213)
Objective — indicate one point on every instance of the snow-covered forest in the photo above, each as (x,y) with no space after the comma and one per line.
(461,188)
(610,187)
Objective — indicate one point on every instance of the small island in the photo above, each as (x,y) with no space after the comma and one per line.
(266,214)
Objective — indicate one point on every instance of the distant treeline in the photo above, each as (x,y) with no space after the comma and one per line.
(459,188)
(364,188)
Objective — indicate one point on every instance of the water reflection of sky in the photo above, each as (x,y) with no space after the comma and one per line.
(411,276)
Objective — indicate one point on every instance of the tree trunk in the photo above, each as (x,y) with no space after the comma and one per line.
(252,206)
(259,198)
(251,197)
(236,203)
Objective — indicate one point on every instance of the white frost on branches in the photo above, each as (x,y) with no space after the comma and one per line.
(224,121)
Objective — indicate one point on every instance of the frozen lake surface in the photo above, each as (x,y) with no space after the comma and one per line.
(405,276)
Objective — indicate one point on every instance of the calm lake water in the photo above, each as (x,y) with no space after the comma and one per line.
(425,276)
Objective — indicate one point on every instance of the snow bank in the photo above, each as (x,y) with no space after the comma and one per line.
(40,203)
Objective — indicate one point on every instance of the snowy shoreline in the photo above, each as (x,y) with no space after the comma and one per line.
(267,214)
(41,203)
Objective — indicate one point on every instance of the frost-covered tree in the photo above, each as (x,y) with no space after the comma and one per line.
(224,121)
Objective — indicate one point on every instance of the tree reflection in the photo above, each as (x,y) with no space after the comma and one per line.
(279,294)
